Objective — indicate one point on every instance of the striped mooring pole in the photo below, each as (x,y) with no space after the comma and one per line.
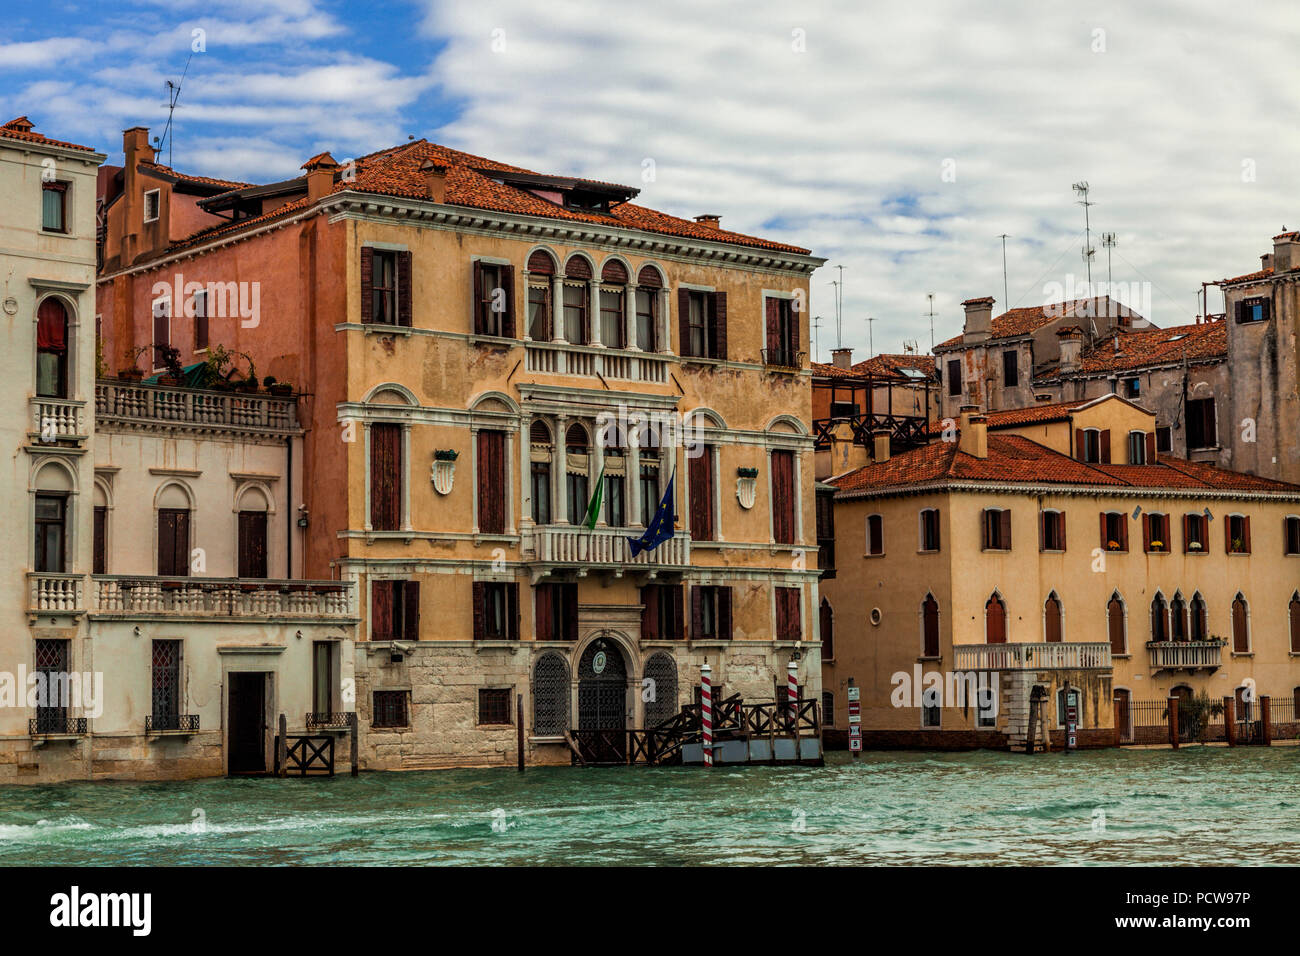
(706,713)
(792,689)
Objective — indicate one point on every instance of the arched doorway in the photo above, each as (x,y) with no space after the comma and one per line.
(602,687)
(662,670)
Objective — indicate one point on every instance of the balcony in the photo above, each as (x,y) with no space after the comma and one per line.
(171,724)
(551,359)
(607,547)
(58,419)
(1031,657)
(207,598)
(1185,655)
(135,405)
(51,593)
(56,725)
(783,360)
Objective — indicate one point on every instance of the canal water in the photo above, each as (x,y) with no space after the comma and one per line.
(1195,805)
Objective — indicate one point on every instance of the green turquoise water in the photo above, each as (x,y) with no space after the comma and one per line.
(1195,805)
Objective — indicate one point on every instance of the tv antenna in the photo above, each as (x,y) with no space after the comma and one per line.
(930,296)
(839,309)
(173,94)
(1006,297)
(871,348)
(1109,240)
(1088,251)
(817,349)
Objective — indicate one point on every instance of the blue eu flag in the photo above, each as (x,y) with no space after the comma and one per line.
(660,528)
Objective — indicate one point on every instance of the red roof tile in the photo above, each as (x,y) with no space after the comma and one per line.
(186,177)
(893,363)
(1248,277)
(1016,322)
(1129,349)
(20,128)
(1032,415)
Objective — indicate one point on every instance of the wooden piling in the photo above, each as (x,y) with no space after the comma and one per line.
(281,747)
(1173,722)
(354,736)
(1266,720)
(1230,720)
(519,724)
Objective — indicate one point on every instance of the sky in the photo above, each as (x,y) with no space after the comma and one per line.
(900,141)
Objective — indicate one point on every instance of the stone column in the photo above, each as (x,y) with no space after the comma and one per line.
(525,470)
(557,309)
(522,317)
(664,321)
(629,317)
(594,467)
(558,479)
(634,483)
(593,311)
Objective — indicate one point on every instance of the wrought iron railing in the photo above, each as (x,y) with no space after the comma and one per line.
(56,725)
(335,720)
(182,723)
(905,431)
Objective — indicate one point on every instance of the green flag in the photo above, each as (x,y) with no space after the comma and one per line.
(593,506)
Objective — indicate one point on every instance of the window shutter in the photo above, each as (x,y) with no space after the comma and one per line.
(1043,518)
(166,542)
(367,284)
(1151,448)
(720,325)
(1104,542)
(512,611)
(404,288)
(650,613)
(1245,533)
(1240,637)
(697,612)
(1080,452)
(1060,527)
(1146,532)
(478,595)
(1295,626)
(508,319)
(699,471)
(100,560)
(772,310)
(684,321)
(1227,534)
(476,313)
(570,606)
(411,610)
(678,622)
(381,610)
(491,482)
(385,476)
(724,613)
(1105,446)
(543,603)
(1187,533)
(1115,618)
(1123,532)
(1264,306)
(1239,312)
(783,496)
(986,520)
(1004,517)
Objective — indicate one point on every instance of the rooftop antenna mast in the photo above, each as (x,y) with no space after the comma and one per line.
(1110,241)
(817,349)
(839,309)
(871,347)
(1088,251)
(1006,297)
(173,94)
(930,296)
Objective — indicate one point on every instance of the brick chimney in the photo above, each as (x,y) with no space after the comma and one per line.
(136,149)
(842,358)
(709,221)
(880,445)
(1071,343)
(1286,251)
(974,437)
(320,175)
(435,180)
(979,319)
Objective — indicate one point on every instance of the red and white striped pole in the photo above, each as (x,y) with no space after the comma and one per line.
(706,713)
(792,690)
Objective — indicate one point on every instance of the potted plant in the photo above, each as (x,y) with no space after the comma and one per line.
(281,389)
(175,373)
(131,372)
(1112,545)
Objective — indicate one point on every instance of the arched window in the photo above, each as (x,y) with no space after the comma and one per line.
(1240,625)
(1123,700)
(251,545)
(662,669)
(575,440)
(539,457)
(54,492)
(1052,619)
(577,301)
(1159,618)
(1199,621)
(827,624)
(930,627)
(173,502)
(649,282)
(995,621)
(1178,618)
(1295,622)
(575,473)
(550,696)
(541,266)
(1115,624)
(613,279)
(52,349)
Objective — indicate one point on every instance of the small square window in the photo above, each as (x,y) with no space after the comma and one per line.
(152,199)
(391,709)
(494,705)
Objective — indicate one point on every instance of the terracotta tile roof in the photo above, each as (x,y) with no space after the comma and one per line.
(826,370)
(893,363)
(20,128)
(1018,460)
(1032,415)
(1248,277)
(1203,342)
(1016,322)
(397,172)
(186,177)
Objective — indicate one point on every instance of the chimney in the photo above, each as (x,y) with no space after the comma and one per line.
(880,445)
(320,175)
(435,180)
(1266,261)
(974,437)
(979,319)
(1071,339)
(136,149)
(842,358)
(1286,252)
(709,221)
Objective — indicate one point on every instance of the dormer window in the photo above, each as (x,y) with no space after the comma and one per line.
(152,200)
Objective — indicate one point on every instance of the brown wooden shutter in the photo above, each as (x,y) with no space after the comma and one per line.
(1123,531)
(1104,542)
(385,476)
(678,621)
(796,618)
(772,313)
(931,623)
(995,631)
(650,612)
(700,476)
(1187,527)
(1151,448)
(1052,621)
(1105,446)
(1227,534)
(1245,533)
(1146,532)
(1295,627)
(1043,518)
(684,321)
(826,624)
(724,613)
(783,497)
(697,612)
(252,544)
(1080,452)
(512,611)
(720,325)
(1115,616)
(100,560)
(476,322)
(570,592)
(986,524)
(367,284)
(491,482)
(543,604)
(404,288)
(173,542)
(478,595)
(1060,527)
(411,610)
(1240,637)
(381,611)
(508,319)
(1004,518)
